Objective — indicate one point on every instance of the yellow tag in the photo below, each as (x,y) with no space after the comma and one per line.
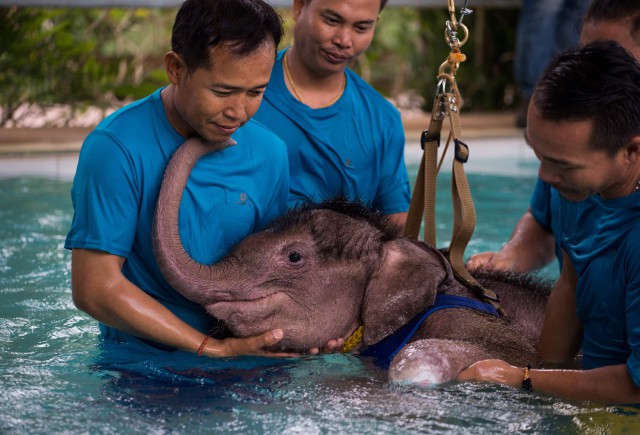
(353,340)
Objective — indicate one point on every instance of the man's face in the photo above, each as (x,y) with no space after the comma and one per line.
(568,163)
(331,33)
(615,31)
(214,102)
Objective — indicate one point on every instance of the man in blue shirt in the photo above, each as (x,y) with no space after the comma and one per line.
(218,70)
(532,244)
(343,138)
(584,126)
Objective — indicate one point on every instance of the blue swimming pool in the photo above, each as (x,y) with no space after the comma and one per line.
(55,378)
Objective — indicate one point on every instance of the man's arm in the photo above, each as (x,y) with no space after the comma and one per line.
(561,335)
(530,247)
(398,219)
(100,289)
(609,384)
(559,342)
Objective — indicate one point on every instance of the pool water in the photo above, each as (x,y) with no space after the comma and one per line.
(55,376)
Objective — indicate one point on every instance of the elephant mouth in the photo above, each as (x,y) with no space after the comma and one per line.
(242,310)
(252,299)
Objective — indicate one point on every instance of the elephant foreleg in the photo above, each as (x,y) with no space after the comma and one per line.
(430,362)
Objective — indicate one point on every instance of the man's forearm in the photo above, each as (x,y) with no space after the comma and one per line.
(530,246)
(561,334)
(100,289)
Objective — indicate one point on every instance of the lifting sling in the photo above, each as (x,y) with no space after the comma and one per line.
(446,105)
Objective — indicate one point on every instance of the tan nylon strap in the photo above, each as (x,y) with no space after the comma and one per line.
(423,198)
(424,194)
(464,213)
(464,221)
(416,207)
(424,191)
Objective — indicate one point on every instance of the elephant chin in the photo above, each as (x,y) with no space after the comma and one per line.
(251,318)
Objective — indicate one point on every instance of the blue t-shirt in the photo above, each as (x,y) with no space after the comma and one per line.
(602,238)
(230,194)
(353,148)
(544,206)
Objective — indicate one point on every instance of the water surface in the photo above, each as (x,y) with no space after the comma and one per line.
(56,377)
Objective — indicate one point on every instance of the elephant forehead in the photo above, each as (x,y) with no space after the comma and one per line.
(273,242)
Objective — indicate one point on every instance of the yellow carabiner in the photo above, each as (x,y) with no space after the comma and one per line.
(452,13)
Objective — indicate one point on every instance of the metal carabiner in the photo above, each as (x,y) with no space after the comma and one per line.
(452,26)
(441,87)
(451,34)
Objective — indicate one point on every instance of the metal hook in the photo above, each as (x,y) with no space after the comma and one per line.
(464,11)
(441,87)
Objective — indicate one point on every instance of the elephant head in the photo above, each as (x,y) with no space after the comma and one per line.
(318,272)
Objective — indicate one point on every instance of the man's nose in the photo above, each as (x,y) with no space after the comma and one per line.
(546,174)
(342,37)
(236,107)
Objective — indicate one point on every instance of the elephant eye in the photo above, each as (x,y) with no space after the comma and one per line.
(294,257)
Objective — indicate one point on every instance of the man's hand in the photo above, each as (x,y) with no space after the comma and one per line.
(257,345)
(494,371)
(332,346)
(491,261)
(530,247)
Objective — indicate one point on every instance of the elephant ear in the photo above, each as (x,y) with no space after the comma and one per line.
(404,283)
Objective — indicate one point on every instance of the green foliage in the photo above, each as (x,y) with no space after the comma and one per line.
(78,57)
(85,57)
(410,46)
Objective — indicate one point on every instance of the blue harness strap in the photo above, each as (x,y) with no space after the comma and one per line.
(386,349)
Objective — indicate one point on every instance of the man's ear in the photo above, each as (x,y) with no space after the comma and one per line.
(298,5)
(633,150)
(175,67)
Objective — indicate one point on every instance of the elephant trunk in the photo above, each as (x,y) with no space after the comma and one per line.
(182,272)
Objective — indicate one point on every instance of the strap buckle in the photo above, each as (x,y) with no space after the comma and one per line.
(425,138)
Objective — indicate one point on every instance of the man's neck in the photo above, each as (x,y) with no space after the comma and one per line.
(627,185)
(309,87)
(175,119)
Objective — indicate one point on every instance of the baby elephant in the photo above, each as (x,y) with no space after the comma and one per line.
(338,269)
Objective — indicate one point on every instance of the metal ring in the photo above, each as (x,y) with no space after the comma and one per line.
(450,35)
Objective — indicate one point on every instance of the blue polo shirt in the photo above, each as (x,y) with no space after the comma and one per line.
(545,207)
(353,148)
(230,194)
(602,238)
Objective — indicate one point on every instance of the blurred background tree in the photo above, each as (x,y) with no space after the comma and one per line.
(409,47)
(87,58)
(79,57)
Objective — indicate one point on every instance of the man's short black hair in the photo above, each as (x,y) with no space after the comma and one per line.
(598,82)
(616,11)
(203,24)
(383,3)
